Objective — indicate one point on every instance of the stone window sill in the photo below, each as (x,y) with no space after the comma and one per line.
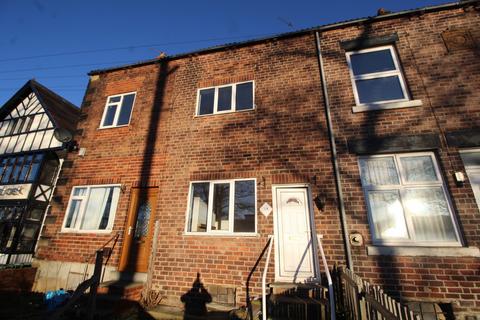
(386,106)
(424,251)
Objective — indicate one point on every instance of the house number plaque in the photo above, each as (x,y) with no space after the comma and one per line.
(265,209)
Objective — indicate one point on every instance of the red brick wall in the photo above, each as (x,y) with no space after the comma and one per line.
(447,82)
(282,141)
(19,279)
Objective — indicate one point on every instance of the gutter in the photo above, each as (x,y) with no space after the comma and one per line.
(333,148)
(327,27)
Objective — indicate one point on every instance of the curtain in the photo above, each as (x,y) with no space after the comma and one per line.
(379,171)
(98,201)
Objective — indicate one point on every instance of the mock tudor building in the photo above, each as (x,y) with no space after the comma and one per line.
(34,128)
(365,131)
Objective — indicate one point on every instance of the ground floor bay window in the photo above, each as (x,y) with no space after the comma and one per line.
(226,206)
(407,200)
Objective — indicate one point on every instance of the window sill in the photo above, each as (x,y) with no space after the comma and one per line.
(113,127)
(423,251)
(218,235)
(86,231)
(386,106)
(223,113)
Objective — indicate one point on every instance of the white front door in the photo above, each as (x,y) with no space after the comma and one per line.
(294,250)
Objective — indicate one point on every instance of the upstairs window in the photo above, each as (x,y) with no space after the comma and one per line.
(118,110)
(218,207)
(407,200)
(376,76)
(92,208)
(228,98)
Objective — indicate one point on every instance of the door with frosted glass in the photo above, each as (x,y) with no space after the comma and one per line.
(139,230)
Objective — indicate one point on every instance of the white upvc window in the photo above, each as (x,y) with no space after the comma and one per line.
(118,110)
(226,98)
(376,76)
(471,161)
(92,208)
(222,207)
(407,200)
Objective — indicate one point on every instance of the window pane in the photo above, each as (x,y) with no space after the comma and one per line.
(418,169)
(35,168)
(221,200)
(378,171)
(199,207)
(114,99)
(99,208)
(387,214)
(25,168)
(370,62)
(244,96)
(143,220)
(126,110)
(110,115)
(35,214)
(224,99)
(79,191)
(428,209)
(16,171)
(379,89)
(471,159)
(28,237)
(3,166)
(73,213)
(244,210)
(206,101)
(8,170)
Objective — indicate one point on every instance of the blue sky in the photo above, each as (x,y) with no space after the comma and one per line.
(116,32)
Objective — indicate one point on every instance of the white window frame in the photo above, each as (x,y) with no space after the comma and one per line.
(400,188)
(231,213)
(117,112)
(397,72)
(470,170)
(81,213)
(233,102)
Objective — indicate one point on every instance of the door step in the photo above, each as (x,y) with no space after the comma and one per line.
(298,301)
(121,290)
(289,287)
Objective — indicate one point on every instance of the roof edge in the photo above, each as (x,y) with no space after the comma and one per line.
(336,25)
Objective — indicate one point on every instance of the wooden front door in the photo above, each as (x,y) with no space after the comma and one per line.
(139,230)
(295,253)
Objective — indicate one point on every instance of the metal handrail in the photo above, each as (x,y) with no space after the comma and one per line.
(103,247)
(264,279)
(331,294)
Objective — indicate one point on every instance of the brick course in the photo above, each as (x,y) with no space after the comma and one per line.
(447,83)
(284,140)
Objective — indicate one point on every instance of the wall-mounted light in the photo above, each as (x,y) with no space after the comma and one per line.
(262,182)
(320,202)
(459,178)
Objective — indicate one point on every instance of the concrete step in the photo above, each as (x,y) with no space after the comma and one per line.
(289,288)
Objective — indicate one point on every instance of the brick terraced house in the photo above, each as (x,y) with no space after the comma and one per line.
(364,131)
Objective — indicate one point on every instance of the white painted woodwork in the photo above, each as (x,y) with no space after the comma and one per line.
(293,236)
(27,128)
